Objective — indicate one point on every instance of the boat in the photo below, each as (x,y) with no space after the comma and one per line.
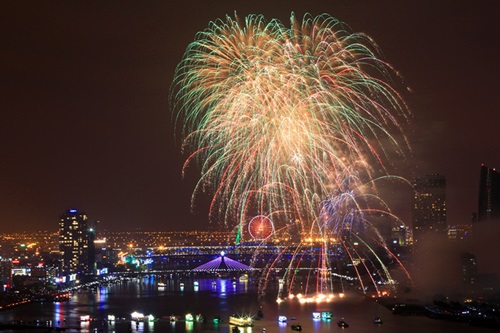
(85,318)
(161,285)
(377,320)
(244,278)
(173,318)
(326,315)
(240,320)
(342,323)
(297,327)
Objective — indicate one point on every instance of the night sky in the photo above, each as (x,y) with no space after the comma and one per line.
(85,108)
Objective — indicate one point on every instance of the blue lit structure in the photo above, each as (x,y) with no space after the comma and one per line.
(222,263)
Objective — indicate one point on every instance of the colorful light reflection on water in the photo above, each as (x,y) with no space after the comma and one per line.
(220,299)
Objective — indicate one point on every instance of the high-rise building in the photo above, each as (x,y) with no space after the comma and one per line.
(5,273)
(429,207)
(469,268)
(74,242)
(489,194)
(91,265)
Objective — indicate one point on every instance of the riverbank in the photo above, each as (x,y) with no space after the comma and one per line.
(474,313)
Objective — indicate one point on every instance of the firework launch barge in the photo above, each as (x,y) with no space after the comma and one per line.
(243,321)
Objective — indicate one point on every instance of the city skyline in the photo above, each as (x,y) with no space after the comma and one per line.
(87,123)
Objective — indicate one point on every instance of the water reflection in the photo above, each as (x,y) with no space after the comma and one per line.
(223,287)
(59,312)
(84,325)
(219,300)
(238,329)
(189,326)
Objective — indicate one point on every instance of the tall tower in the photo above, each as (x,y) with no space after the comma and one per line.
(429,207)
(489,194)
(74,242)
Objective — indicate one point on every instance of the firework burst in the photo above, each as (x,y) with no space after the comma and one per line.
(273,114)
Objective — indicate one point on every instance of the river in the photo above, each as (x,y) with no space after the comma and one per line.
(213,298)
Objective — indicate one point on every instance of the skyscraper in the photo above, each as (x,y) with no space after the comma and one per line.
(469,268)
(74,242)
(429,207)
(489,194)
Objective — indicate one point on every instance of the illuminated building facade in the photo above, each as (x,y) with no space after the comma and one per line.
(6,273)
(459,231)
(489,194)
(74,242)
(429,207)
